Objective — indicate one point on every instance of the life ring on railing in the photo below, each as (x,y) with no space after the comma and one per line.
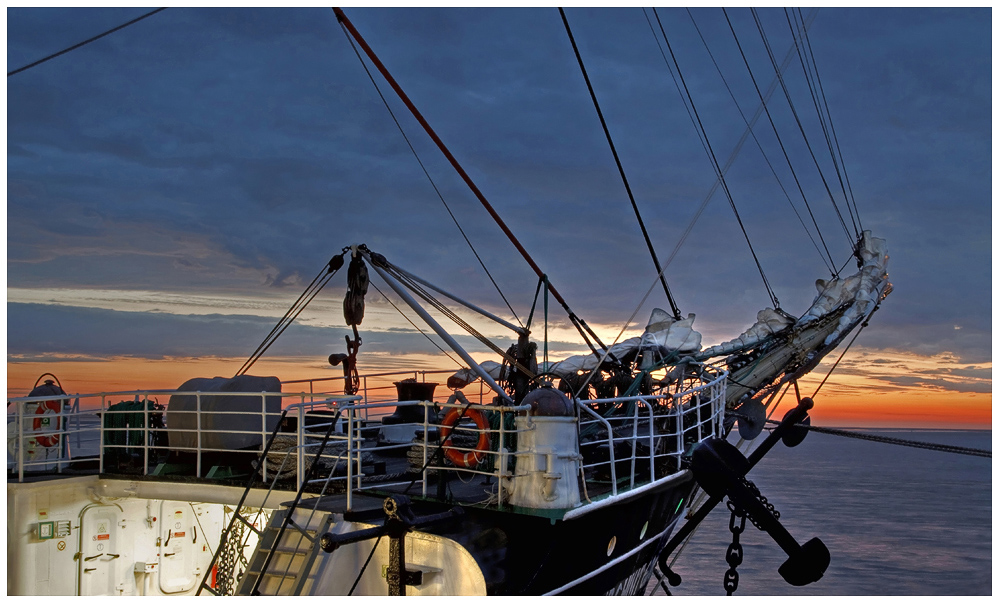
(43,432)
(465,459)
(43,425)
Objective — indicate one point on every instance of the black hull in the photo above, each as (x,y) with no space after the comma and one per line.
(521,554)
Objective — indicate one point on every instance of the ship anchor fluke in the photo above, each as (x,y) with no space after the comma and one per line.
(720,470)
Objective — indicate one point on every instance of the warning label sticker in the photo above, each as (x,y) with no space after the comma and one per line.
(179,534)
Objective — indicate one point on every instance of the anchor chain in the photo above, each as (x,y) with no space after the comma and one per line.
(737,524)
(734,555)
(770,506)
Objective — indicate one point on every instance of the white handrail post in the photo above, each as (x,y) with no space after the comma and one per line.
(145,431)
(679,425)
(100,440)
(300,441)
(350,461)
(423,487)
(635,437)
(652,451)
(76,412)
(502,460)
(360,442)
(20,441)
(197,417)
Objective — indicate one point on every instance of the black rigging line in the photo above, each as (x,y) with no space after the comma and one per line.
(808,73)
(917,444)
(715,163)
(677,84)
(75,46)
(427,174)
(798,122)
(307,296)
(422,332)
(808,44)
(621,170)
(777,136)
(756,140)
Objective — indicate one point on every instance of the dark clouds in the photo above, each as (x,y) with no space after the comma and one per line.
(42,331)
(239,149)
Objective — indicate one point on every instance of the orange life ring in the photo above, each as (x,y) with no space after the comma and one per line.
(46,440)
(465,459)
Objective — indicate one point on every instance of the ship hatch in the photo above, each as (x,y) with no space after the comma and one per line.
(177,542)
(99,552)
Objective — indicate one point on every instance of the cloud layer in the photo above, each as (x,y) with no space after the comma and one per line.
(235,151)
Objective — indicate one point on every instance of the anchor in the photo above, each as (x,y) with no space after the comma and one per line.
(720,468)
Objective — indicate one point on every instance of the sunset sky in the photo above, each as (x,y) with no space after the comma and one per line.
(173,187)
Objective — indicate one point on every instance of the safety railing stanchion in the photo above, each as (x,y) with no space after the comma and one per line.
(501,469)
(145,434)
(263,424)
(652,451)
(20,441)
(350,461)
(300,442)
(197,417)
(423,477)
(100,440)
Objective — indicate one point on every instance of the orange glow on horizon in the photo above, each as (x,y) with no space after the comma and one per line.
(849,399)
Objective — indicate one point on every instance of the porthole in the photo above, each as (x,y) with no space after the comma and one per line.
(611,545)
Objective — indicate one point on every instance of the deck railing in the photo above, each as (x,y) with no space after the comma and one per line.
(625,442)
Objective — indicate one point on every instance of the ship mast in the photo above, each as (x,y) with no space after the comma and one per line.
(579,323)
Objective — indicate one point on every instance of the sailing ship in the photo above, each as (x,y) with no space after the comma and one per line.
(524,478)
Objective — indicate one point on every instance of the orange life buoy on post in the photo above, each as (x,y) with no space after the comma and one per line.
(465,459)
(41,424)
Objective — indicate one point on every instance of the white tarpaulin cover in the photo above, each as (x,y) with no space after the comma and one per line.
(769,321)
(665,338)
(862,290)
(222,414)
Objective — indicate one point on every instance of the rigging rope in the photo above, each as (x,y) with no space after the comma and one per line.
(307,296)
(422,332)
(798,122)
(749,130)
(833,131)
(918,444)
(440,306)
(621,170)
(75,46)
(426,173)
(715,164)
(736,149)
(777,136)
(580,325)
(812,81)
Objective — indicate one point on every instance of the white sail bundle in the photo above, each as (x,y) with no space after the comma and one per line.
(663,339)
(769,322)
(862,290)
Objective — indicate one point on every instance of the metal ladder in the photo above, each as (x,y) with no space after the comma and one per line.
(273,545)
(285,561)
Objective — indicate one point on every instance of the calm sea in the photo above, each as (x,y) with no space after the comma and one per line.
(897,520)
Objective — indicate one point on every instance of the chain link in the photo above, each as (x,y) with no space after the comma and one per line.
(737,524)
(734,554)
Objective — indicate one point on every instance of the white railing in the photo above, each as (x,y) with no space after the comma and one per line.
(643,438)
(625,442)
